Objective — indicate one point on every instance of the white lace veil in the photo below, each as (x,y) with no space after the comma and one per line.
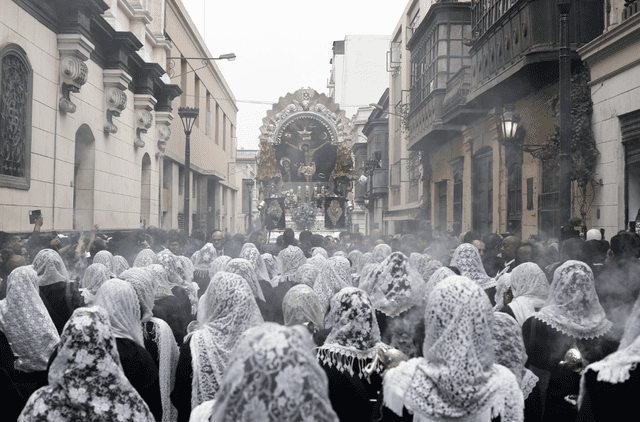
(225,311)
(50,267)
(274,377)
(467,259)
(530,290)
(573,307)
(457,377)
(145,285)
(243,268)
(395,286)
(301,305)
(145,257)
(120,264)
(509,350)
(119,299)
(26,323)
(334,276)
(105,258)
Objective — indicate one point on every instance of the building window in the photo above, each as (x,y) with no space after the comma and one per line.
(16,91)
(224,132)
(514,199)
(483,191)
(549,201)
(207,126)
(442,205)
(457,205)
(217,124)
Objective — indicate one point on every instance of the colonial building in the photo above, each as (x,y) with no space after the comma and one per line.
(93,112)
(615,89)
(244,171)
(473,65)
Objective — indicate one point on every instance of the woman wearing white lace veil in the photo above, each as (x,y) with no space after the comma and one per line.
(178,277)
(93,277)
(59,295)
(572,317)
(355,256)
(468,260)
(306,274)
(333,277)
(424,265)
(395,286)
(301,305)
(509,350)
(26,323)
(218,264)
(225,311)
(271,377)
(530,288)
(435,279)
(252,254)
(119,299)
(503,284)
(105,258)
(609,388)
(243,268)
(381,252)
(158,337)
(457,379)
(174,309)
(271,264)
(289,260)
(86,380)
(120,264)
(318,250)
(145,257)
(351,345)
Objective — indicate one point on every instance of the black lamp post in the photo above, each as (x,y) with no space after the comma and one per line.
(564,6)
(188,115)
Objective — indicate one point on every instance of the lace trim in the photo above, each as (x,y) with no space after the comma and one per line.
(529,381)
(487,283)
(603,327)
(344,357)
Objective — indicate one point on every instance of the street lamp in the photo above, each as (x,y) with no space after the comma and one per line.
(204,60)
(188,115)
(564,58)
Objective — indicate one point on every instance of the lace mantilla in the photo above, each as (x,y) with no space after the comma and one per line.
(355,336)
(274,377)
(50,267)
(301,305)
(381,252)
(225,311)
(334,275)
(457,378)
(105,258)
(244,269)
(252,255)
(86,380)
(145,284)
(26,322)
(467,259)
(164,288)
(288,261)
(144,258)
(573,307)
(530,290)
(120,301)
(394,286)
(120,265)
(94,276)
(424,265)
(306,274)
(435,279)
(510,352)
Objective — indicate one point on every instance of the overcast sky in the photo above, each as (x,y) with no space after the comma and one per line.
(282,46)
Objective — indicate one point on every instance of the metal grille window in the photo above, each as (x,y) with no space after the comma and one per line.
(442,205)
(514,199)
(548,201)
(16,77)
(457,205)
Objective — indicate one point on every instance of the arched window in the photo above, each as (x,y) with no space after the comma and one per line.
(16,91)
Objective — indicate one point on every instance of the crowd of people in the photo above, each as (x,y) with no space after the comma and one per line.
(161,326)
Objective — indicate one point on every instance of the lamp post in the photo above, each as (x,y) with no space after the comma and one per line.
(188,115)
(564,6)
(249,184)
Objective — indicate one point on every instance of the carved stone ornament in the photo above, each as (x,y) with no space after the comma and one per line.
(74,49)
(116,100)
(164,134)
(144,120)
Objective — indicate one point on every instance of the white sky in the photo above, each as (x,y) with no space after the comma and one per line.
(282,46)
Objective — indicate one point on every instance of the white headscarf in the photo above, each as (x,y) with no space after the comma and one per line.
(467,259)
(145,257)
(510,352)
(271,264)
(573,307)
(435,279)
(300,305)
(273,377)
(26,322)
(119,299)
(105,258)
(289,260)
(394,286)
(94,276)
(225,311)
(120,264)
(145,285)
(164,288)
(306,274)
(86,380)
(457,378)
(381,252)
(243,268)
(334,276)
(252,254)
(530,289)
(354,336)
(616,368)
(50,267)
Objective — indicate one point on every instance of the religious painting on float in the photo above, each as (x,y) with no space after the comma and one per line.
(305,152)
(335,216)
(274,214)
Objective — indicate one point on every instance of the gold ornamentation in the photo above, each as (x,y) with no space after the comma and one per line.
(275,210)
(334,211)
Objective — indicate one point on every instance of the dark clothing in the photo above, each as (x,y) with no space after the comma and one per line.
(491,292)
(142,373)
(175,311)
(492,263)
(61,299)
(356,399)
(604,401)
(13,400)
(181,394)
(271,308)
(545,348)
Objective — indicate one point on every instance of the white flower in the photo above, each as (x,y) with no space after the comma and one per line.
(254,411)
(290,381)
(78,394)
(100,404)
